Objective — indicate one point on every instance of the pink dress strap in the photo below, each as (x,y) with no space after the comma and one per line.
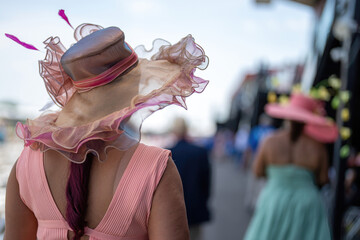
(36,195)
(128,213)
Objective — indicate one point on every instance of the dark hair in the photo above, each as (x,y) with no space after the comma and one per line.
(77,195)
(296,129)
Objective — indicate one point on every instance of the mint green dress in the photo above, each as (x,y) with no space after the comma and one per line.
(289,207)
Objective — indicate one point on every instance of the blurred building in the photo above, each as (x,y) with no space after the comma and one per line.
(250,97)
(10,114)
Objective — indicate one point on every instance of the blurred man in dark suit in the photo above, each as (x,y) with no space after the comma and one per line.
(193,164)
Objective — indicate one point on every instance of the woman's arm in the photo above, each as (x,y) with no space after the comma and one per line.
(323,176)
(20,222)
(259,165)
(168,214)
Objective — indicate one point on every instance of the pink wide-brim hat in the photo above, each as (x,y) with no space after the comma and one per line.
(106,90)
(307,110)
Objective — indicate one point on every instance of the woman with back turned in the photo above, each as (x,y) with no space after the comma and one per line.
(83,173)
(294,161)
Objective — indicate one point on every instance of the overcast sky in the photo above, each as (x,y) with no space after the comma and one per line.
(236,35)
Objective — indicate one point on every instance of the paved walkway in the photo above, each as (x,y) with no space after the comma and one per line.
(230,217)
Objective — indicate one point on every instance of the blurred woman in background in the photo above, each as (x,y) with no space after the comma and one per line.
(294,160)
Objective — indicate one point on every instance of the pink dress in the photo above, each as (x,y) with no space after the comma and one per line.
(128,213)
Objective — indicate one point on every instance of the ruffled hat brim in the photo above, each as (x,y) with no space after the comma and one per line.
(322,133)
(167,78)
(318,127)
(294,113)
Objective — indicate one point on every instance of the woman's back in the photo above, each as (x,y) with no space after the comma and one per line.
(120,194)
(104,178)
(307,153)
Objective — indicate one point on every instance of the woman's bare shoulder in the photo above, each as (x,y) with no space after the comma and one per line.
(275,138)
(314,144)
(168,214)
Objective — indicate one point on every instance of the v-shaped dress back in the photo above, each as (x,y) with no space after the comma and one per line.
(127,215)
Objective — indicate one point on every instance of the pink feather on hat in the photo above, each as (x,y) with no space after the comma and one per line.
(63,16)
(26,45)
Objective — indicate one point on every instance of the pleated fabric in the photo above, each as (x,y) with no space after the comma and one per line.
(128,213)
(289,207)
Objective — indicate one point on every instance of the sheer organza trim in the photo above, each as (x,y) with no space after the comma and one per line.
(121,129)
(58,84)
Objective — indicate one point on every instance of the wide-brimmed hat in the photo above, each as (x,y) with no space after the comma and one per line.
(106,90)
(311,112)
